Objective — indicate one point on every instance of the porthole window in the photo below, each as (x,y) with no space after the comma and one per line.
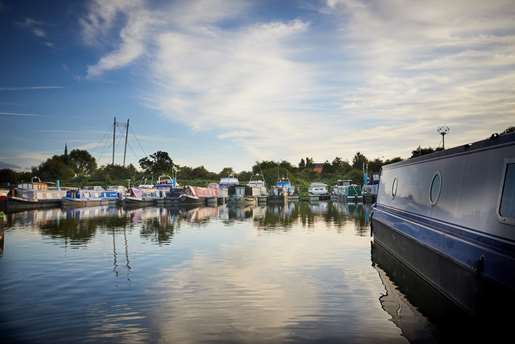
(394,187)
(436,188)
(507,199)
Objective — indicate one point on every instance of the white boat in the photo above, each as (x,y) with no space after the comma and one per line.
(35,194)
(318,190)
(258,189)
(225,183)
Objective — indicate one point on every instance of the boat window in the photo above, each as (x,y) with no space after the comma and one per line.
(394,187)
(436,188)
(507,204)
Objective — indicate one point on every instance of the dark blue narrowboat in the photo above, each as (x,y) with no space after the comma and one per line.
(450,217)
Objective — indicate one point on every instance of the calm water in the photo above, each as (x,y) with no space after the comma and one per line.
(267,274)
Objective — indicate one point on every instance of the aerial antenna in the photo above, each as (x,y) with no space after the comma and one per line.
(443,130)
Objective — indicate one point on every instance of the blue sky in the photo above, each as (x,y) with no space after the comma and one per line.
(226,83)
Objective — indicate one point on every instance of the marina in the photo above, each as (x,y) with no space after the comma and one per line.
(199,171)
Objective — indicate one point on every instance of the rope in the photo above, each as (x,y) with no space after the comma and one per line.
(140,146)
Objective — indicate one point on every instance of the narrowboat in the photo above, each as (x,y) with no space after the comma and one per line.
(34,195)
(144,195)
(89,197)
(207,195)
(450,216)
(183,196)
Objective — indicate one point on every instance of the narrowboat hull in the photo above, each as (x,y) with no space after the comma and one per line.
(451,265)
(79,203)
(183,200)
(136,202)
(16,203)
(160,202)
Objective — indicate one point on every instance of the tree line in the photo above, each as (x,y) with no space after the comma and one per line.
(79,167)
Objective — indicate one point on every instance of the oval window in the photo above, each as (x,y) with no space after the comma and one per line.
(436,188)
(394,187)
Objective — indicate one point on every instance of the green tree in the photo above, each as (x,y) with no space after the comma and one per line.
(358,160)
(54,168)
(328,168)
(8,177)
(374,166)
(423,151)
(157,163)
(81,162)
(245,175)
(225,172)
(392,160)
(302,164)
(356,175)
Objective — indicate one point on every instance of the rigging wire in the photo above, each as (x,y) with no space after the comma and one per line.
(137,140)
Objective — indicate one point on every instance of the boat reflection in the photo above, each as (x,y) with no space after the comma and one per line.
(77,226)
(425,315)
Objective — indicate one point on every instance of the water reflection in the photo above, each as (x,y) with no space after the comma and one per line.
(79,225)
(280,273)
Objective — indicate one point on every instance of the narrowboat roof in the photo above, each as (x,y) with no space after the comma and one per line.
(495,140)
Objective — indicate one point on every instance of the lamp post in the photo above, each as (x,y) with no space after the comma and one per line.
(443,131)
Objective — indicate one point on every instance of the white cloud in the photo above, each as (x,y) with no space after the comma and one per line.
(380,79)
(100,20)
(36,28)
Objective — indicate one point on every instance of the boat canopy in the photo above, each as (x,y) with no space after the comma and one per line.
(228,181)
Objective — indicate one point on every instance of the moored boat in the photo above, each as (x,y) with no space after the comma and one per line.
(346,191)
(318,191)
(450,217)
(184,196)
(89,197)
(240,195)
(33,195)
(141,196)
(258,189)
(283,191)
(163,186)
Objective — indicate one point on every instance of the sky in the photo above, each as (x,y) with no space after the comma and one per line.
(226,83)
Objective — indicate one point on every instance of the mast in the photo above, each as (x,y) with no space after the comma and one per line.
(114,137)
(126,136)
